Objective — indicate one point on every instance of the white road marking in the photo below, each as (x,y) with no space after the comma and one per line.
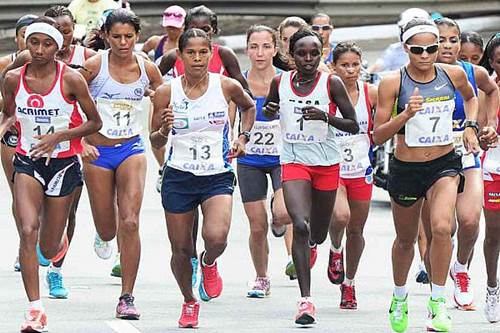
(121,326)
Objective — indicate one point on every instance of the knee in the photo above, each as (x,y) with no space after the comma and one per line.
(300,228)
(469,226)
(215,241)
(354,231)
(405,244)
(258,231)
(185,251)
(28,235)
(341,219)
(492,236)
(129,224)
(441,232)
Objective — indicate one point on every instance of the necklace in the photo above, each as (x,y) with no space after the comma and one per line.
(193,86)
(298,83)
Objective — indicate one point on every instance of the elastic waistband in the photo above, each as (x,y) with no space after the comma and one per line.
(436,160)
(129,142)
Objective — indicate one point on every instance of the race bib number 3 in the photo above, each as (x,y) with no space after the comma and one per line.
(198,152)
(120,118)
(355,158)
(297,130)
(265,138)
(433,126)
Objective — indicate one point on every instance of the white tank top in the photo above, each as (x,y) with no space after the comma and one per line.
(308,142)
(356,147)
(119,104)
(39,114)
(78,55)
(200,143)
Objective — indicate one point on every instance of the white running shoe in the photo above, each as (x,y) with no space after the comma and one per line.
(103,249)
(492,308)
(463,294)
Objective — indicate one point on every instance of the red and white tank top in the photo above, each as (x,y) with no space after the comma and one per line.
(215,64)
(356,147)
(77,56)
(491,159)
(47,113)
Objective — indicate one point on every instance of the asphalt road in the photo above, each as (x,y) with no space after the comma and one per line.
(93,293)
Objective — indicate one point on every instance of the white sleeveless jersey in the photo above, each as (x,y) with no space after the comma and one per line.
(308,142)
(119,104)
(77,55)
(39,114)
(355,148)
(200,143)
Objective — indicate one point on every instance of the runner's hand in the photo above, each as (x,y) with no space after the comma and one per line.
(488,137)
(89,153)
(313,113)
(270,110)
(238,149)
(414,103)
(167,120)
(471,143)
(46,145)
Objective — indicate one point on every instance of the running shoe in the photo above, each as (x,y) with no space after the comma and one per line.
(116,271)
(42,261)
(336,272)
(438,319)
(306,313)
(290,270)
(210,281)
(54,282)
(126,308)
(17,265)
(261,288)
(159,180)
(194,276)
(492,308)
(422,277)
(189,315)
(463,294)
(103,249)
(398,314)
(348,297)
(35,321)
(313,256)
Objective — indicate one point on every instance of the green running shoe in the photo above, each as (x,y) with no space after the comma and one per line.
(438,320)
(290,270)
(116,271)
(398,314)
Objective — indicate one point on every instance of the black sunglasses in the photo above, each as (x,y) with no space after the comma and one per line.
(418,49)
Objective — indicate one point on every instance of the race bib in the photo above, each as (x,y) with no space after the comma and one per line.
(433,126)
(468,160)
(198,152)
(265,138)
(43,125)
(491,161)
(120,118)
(355,158)
(297,130)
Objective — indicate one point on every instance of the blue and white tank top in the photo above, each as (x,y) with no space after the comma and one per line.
(119,104)
(200,133)
(264,147)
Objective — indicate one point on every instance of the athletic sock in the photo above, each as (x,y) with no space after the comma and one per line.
(459,268)
(437,291)
(421,266)
(290,258)
(348,282)
(335,250)
(400,292)
(36,305)
(54,269)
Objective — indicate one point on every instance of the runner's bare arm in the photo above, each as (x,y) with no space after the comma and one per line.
(232,66)
(491,99)
(9,87)
(168,61)
(384,126)
(162,118)
(234,91)
(338,94)
(91,67)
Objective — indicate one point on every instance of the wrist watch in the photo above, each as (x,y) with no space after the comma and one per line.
(246,134)
(473,124)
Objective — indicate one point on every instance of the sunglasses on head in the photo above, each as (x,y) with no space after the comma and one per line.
(176,15)
(418,49)
(324,27)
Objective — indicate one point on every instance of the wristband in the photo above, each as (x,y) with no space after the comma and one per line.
(246,134)
(473,124)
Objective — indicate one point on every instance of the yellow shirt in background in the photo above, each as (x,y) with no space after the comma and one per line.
(88,13)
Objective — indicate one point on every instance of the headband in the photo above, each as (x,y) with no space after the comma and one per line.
(418,30)
(47,29)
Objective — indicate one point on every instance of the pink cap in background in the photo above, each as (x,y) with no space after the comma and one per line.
(174,16)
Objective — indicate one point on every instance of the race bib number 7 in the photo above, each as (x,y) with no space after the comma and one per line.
(433,126)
